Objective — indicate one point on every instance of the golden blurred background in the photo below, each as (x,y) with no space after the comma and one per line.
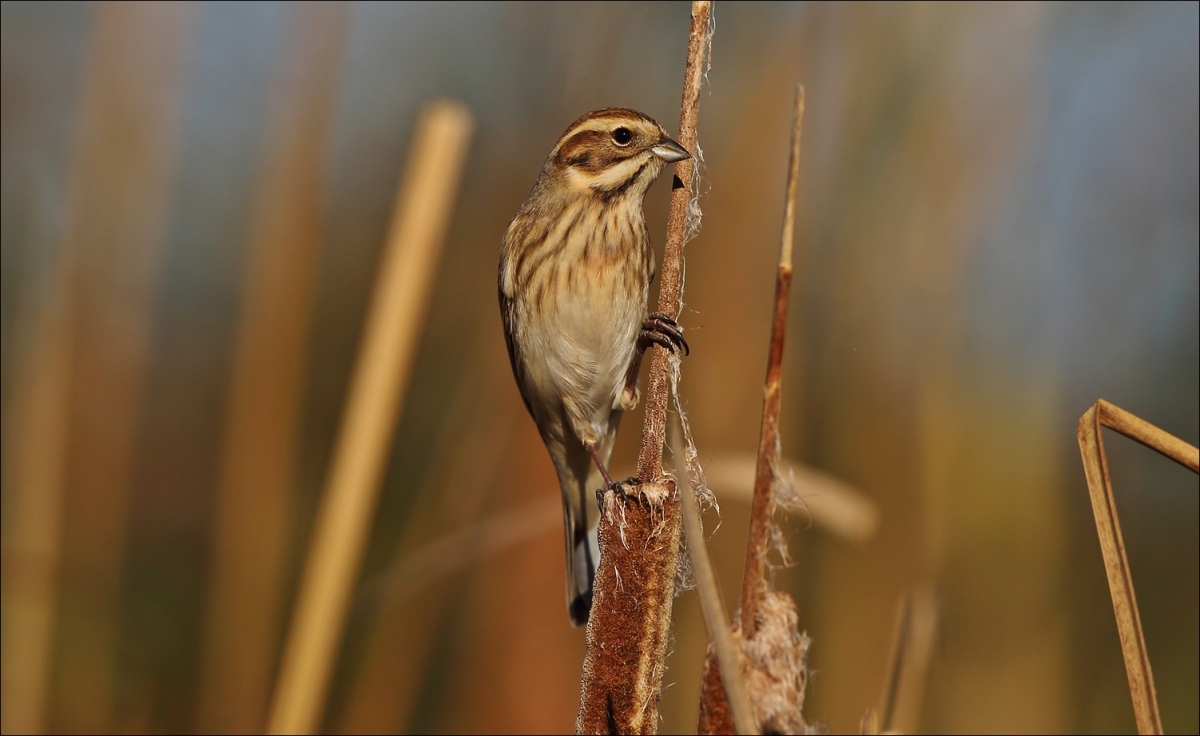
(998,225)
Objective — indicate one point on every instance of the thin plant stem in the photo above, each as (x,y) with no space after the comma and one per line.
(759,542)
(634,588)
(712,606)
(908,668)
(670,293)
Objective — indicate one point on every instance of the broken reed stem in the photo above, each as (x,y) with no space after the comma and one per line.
(376,393)
(759,543)
(908,668)
(1112,545)
(634,588)
(670,290)
(711,604)
(891,686)
(1136,428)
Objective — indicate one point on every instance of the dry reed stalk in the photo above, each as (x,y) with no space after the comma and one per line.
(473,439)
(628,629)
(258,460)
(774,666)
(115,220)
(35,451)
(1112,545)
(754,583)
(908,667)
(670,290)
(415,604)
(376,393)
(774,660)
(716,620)
(639,530)
(830,503)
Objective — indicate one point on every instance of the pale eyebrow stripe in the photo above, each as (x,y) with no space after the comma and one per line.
(601,124)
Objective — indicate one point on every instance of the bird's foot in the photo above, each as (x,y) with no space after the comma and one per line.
(659,329)
(627,487)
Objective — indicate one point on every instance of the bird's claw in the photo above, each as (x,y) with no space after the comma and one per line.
(618,486)
(659,329)
(622,486)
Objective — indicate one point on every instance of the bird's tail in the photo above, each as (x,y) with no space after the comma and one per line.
(579,479)
(582,554)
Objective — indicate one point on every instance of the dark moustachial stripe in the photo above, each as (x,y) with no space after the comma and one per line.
(610,194)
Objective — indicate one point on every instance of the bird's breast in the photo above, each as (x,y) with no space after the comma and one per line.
(583,317)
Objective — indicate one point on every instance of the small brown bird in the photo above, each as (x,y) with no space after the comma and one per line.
(575,272)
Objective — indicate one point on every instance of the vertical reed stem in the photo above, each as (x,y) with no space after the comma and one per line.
(758,545)
(376,394)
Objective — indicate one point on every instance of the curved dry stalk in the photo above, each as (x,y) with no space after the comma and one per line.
(461,548)
(1112,545)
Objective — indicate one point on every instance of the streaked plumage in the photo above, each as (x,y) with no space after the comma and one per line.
(575,271)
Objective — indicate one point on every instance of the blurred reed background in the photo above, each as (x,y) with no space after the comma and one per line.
(998,225)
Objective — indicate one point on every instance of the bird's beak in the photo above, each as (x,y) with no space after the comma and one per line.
(670,151)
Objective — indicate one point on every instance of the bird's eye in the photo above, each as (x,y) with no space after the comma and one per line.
(622,137)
